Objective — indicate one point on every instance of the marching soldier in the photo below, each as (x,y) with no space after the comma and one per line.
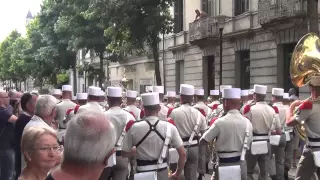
(199,100)
(177,104)
(214,95)
(206,111)
(218,112)
(308,113)
(131,104)
(244,97)
(263,117)
(148,136)
(171,99)
(188,119)
(164,109)
(290,138)
(93,100)
(230,145)
(119,119)
(278,151)
(64,105)
(250,96)
(81,100)
(57,93)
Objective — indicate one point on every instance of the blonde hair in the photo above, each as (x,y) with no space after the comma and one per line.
(32,134)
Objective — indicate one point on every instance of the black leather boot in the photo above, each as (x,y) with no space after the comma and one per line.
(286,175)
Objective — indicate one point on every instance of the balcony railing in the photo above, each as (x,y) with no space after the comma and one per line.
(276,10)
(203,29)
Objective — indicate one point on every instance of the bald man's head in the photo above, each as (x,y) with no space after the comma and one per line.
(4,99)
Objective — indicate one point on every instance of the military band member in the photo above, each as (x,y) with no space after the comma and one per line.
(278,151)
(57,93)
(64,105)
(148,137)
(230,143)
(93,100)
(262,116)
(81,100)
(219,110)
(74,99)
(250,96)
(131,104)
(214,94)
(186,118)
(164,109)
(308,111)
(244,97)
(199,100)
(290,142)
(171,99)
(119,118)
(177,104)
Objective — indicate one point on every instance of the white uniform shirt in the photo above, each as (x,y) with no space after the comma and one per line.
(261,116)
(36,121)
(311,119)
(230,132)
(62,109)
(163,113)
(151,147)
(91,106)
(282,113)
(185,118)
(202,105)
(119,118)
(136,111)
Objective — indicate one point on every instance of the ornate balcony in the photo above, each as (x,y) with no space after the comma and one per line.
(203,29)
(277,11)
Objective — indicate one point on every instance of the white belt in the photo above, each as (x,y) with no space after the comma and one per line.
(229,155)
(289,130)
(260,137)
(309,143)
(192,143)
(118,148)
(152,167)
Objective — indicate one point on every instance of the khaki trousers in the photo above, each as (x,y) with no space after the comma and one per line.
(278,151)
(191,165)
(289,153)
(202,159)
(306,167)
(263,162)
(243,166)
(118,172)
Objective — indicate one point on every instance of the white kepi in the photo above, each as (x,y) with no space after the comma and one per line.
(260,89)
(56,92)
(214,92)
(277,92)
(286,96)
(82,96)
(131,94)
(171,94)
(199,92)
(94,91)
(186,89)
(158,89)
(222,87)
(231,93)
(244,93)
(66,88)
(150,99)
(114,92)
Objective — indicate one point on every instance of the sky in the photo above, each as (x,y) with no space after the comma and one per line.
(13,15)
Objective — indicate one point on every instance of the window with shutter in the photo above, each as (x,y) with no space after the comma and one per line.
(178,16)
(240,6)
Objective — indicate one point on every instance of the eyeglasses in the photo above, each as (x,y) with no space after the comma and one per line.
(56,149)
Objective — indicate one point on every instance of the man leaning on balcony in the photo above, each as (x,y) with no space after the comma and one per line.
(200,15)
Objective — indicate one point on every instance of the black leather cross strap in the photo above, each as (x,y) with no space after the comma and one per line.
(152,127)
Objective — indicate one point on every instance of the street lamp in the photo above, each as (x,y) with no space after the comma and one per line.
(221,22)
(124,81)
(86,63)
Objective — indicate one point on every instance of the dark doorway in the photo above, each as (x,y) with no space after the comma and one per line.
(245,69)
(287,54)
(211,75)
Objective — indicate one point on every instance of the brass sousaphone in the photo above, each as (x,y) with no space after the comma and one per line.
(305,63)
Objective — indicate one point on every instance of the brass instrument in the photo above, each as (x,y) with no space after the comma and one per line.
(305,63)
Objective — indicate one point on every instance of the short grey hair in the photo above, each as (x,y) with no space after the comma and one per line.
(45,105)
(91,135)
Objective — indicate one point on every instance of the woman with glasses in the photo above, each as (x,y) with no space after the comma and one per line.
(41,151)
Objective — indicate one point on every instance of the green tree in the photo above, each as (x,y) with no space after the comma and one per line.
(89,20)
(144,20)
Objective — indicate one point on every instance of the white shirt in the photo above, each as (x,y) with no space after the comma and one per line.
(91,106)
(163,113)
(36,121)
(202,105)
(136,111)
